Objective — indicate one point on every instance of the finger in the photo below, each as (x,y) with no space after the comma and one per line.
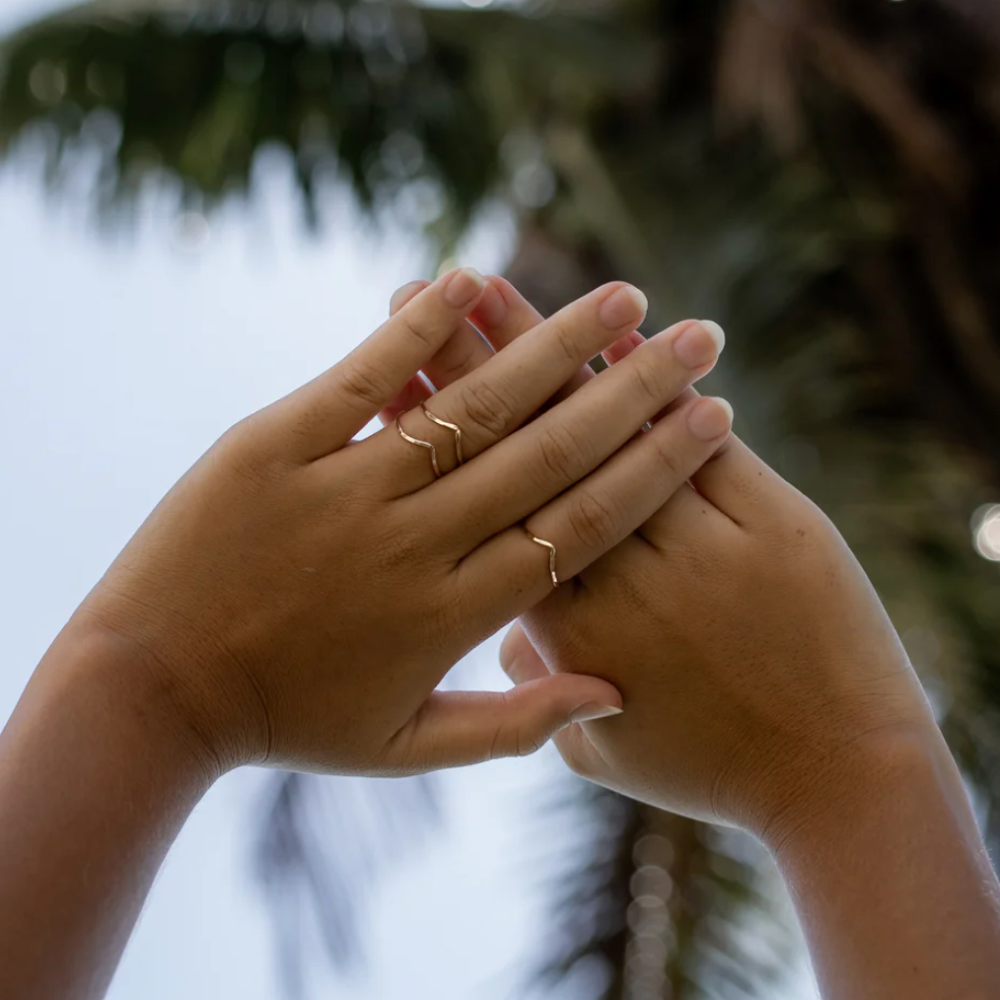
(618,352)
(462,353)
(501,316)
(520,661)
(415,392)
(686,511)
(504,314)
(558,449)
(665,527)
(405,293)
(498,397)
(596,514)
(580,754)
(742,485)
(454,728)
(327,412)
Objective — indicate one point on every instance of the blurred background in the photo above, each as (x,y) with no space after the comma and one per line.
(204,202)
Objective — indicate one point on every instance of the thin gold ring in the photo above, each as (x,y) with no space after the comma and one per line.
(552,555)
(454,428)
(421,444)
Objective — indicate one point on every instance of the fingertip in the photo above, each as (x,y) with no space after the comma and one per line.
(546,706)
(602,697)
(491,310)
(405,293)
(504,288)
(463,287)
(591,711)
(710,419)
(621,304)
(582,697)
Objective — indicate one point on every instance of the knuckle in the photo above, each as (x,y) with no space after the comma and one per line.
(451,364)
(244,452)
(527,744)
(670,458)
(562,453)
(364,383)
(514,740)
(240,438)
(399,549)
(564,341)
(594,520)
(487,410)
(416,327)
(649,382)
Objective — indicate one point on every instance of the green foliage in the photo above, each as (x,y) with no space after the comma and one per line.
(401,103)
(194,96)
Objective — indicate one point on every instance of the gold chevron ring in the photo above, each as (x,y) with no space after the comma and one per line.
(552,556)
(421,444)
(454,428)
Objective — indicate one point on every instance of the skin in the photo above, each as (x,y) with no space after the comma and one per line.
(764,687)
(297,597)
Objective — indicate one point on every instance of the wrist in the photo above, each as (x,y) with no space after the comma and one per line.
(98,773)
(865,780)
(889,876)
(119,688)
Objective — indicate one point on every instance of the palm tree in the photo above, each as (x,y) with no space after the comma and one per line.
(818,176)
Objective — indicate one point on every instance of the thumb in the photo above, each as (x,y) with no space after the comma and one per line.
(519,659)
(454,728)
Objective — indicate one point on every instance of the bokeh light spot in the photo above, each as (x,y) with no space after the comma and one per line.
(986,532)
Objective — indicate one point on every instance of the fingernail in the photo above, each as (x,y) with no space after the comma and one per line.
(710,418)
(625,307)
(699,344)
(492,307)
(463,287)
(592,710)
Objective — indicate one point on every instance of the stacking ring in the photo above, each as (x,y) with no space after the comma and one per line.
(454,428)
(552,556)
(421,444)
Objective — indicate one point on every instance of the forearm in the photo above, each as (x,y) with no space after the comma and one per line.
(893,886)
(96,779)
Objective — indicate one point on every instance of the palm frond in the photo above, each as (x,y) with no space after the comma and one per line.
(409,106)
(321,847)
(647,904)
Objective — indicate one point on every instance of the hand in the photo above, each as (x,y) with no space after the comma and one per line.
(756,662)
(751,651)
(298,595)
(758,668)
(765,687)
